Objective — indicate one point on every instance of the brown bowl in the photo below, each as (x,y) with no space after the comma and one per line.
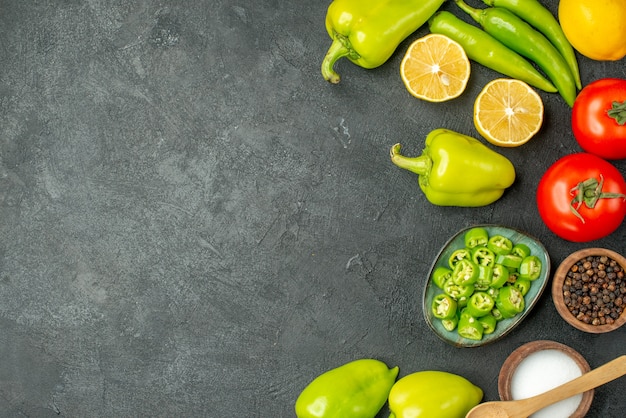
(511,364)
(559,298)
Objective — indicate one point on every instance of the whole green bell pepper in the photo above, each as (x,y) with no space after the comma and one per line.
(458,170)
(433,394)
(368,32)
(358,389)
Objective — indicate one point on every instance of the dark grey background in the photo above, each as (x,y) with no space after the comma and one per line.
(194,223)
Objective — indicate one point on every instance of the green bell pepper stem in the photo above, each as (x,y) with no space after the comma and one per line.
(457,170)
(530,268)
(500,275)
(483,256)
(523,285)
(368,32)
(521,37)
(475,237)
(465,272)
(458,255)
(441,275)
(489,323)
(469,327)
(443,306)
(486,50)
(535,13)
(479,304)
(500,244)
(510,301)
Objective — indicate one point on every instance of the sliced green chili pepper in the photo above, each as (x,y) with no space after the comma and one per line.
(441,275)
(485,277)
(465,273)
(458,170)
(500,275)
(533,12)
(458,255)
(518,35)
(368,32)
(476,237)
(458,293)
(500,244)
(443,306)
(510,301)
(497,314)
(523,285)
(521,250)
(530,268)
(469,327)
(483,256)
(488,51)
(451,323)
(479,304)
(510,261)
(489,323)
(356,389)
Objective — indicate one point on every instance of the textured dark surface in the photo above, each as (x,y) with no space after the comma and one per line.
(194,223)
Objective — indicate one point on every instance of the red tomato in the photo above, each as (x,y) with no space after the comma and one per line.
(595,129)
(560,186)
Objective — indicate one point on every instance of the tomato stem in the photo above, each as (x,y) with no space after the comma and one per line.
(590,192)
(618,112)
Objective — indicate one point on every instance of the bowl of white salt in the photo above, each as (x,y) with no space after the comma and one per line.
(539,366)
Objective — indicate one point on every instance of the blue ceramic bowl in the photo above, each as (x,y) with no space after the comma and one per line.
(506,325)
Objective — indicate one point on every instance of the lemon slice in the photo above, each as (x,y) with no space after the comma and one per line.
(508,112)
(435,68)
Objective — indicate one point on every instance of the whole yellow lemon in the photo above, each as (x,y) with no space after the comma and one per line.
(595,28)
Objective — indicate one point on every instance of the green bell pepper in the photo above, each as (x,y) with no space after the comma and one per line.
(433,394)
(368,32)
(458,170)
(356,389)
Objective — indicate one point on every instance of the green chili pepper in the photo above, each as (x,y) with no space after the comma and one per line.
(458,255)
(460,293)
(451,323)
(530,268)
(433,394)
(356,389)
(521,250)
(518,35)
(533,12)
(465,273)
(500,244)
(483,256)
(485,276)
(441,275)
(510,301)
(500,275)
(479,304)
(469,327)
(510,261)
(489,323)
(486,50)
(443,306)
(476,237)
(497,314)
(368,32)
(523,285)
(458,170)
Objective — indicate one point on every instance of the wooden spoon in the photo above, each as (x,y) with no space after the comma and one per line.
(523,408)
